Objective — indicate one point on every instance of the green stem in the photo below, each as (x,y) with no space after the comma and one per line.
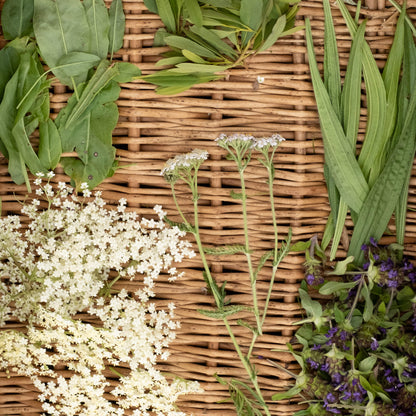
(360,285)
(247,252)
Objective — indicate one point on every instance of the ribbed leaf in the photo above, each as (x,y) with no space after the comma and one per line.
(383,196)
(343,165)
(117,27)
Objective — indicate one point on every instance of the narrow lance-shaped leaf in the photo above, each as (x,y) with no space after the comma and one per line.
(376,103)
(343,165)
(194,11)
(332,82)
(407,83)
(382,198)
(164,10)
(350,113)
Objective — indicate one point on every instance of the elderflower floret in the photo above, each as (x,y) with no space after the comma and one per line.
(65,262)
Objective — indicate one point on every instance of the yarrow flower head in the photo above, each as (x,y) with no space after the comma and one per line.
(267,142)
(174,168)
(67,261)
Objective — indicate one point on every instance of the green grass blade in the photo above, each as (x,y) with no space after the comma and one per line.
(342,163)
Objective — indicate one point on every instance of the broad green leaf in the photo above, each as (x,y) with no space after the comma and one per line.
(164,10)
(9,62)
(50,148)
(76,64)
(190,68)
(99,26)
(367,364)
(117,27)
(342,266)
(251,13)
(331,287)
(194,11)
(127,72)
(276,32)
(96,150)
(184,43)
(16,18)
(342,163)
(312,307)
(226,4)
(151,5)
(60,27)
(214,40)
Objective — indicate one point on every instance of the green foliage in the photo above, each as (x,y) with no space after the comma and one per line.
(373,186)
(209,37)
(357,352)
(74,39)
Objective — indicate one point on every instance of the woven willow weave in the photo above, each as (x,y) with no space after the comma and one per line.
(153,128)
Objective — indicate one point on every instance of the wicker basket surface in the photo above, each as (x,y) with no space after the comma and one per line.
(153,128)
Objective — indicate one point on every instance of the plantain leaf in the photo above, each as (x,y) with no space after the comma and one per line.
(342,163)
(16,18)
(9,62)
(383,196)
(126,72)
(117,27)
(251,13)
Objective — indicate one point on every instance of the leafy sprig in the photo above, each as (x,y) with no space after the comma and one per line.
(206,38)
(245,394)
(74,38)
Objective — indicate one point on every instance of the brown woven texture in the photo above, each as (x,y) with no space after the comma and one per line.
(153,128)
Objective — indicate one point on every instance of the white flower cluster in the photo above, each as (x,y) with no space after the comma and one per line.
(58,267)
(254,143)
(187,160)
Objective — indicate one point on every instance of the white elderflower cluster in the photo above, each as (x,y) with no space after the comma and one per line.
(64,263)
(65,257)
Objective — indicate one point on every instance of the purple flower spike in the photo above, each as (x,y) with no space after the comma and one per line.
(374,344)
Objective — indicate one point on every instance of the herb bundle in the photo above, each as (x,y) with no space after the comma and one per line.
(73,38)
(245,393)
(207,37)
(57,281)
(358,353)
(375,184)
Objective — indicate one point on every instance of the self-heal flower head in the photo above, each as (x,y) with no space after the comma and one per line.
(183,163)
